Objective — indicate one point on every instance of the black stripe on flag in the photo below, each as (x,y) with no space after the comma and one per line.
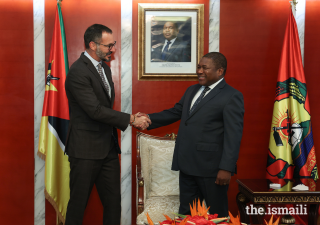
(61,127)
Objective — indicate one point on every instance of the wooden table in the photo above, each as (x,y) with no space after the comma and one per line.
(257,193)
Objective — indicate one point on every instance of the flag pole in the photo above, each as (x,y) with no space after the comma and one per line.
(58,222)
(293,7)
(292,3)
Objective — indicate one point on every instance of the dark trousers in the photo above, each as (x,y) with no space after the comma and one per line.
(105,173)
(193,187)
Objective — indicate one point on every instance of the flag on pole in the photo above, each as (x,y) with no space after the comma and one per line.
(291,149)
(54,122)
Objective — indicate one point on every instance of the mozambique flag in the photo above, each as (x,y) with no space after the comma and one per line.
(54,122)
(291,149)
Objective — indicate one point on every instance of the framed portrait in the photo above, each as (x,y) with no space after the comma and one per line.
(170,41)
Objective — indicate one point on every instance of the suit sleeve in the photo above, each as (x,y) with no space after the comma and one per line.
(167,116)
(233,125)
(82,91)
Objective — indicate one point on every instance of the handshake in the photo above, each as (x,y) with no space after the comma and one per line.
(141,121)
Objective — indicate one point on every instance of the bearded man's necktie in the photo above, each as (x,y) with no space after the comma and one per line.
(103,78)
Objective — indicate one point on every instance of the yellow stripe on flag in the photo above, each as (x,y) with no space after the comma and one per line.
(57,171)
(51,87)
(42,138)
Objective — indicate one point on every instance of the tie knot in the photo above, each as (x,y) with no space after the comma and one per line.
(169,42)
(99,66)
(206,89)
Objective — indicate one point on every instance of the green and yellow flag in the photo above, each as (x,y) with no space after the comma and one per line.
(55,121)
(291,148)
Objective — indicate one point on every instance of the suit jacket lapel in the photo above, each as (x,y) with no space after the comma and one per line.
(191,96)
(95,72)
(209,96)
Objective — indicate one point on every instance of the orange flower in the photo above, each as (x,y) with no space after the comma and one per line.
(184,221)
(271,221)
(201,211)
(149,219)
(167,217)
(235,221)
(193,209)
(172,222)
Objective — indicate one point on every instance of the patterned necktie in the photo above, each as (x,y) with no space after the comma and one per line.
(103,78)
(165,51)
(199,99)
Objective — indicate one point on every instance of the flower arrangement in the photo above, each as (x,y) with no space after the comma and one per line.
(199,216)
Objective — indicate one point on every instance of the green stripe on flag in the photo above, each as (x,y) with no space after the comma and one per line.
(64,43)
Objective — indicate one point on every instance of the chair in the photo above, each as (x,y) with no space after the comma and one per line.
(157,185)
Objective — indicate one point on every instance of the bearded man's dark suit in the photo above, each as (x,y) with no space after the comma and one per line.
(208,139)
(92,144)
(180,51)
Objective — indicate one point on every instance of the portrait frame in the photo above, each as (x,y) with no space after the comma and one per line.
(151,19)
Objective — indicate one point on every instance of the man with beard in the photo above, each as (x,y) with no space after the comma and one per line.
(92,140)
(173,49)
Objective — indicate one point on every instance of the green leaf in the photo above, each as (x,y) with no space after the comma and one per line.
(218,220)
(177,214)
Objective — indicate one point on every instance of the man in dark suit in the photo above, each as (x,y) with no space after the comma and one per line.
(173,49)
(92,142)
(209,136)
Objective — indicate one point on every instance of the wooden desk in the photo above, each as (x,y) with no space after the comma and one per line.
(258,193)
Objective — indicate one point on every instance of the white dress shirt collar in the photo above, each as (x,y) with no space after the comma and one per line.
(215,84)
(171,43)
(94,62)
(201,89)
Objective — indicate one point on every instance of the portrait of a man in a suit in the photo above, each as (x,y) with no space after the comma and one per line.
(172,48)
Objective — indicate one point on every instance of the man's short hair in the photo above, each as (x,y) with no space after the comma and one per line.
(94,33)
(218,59)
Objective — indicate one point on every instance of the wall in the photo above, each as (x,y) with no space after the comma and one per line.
(251,36)
(78,16)
(252,42)
(312,68)
(16,114)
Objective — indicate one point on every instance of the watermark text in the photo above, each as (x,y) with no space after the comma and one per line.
(299,209)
